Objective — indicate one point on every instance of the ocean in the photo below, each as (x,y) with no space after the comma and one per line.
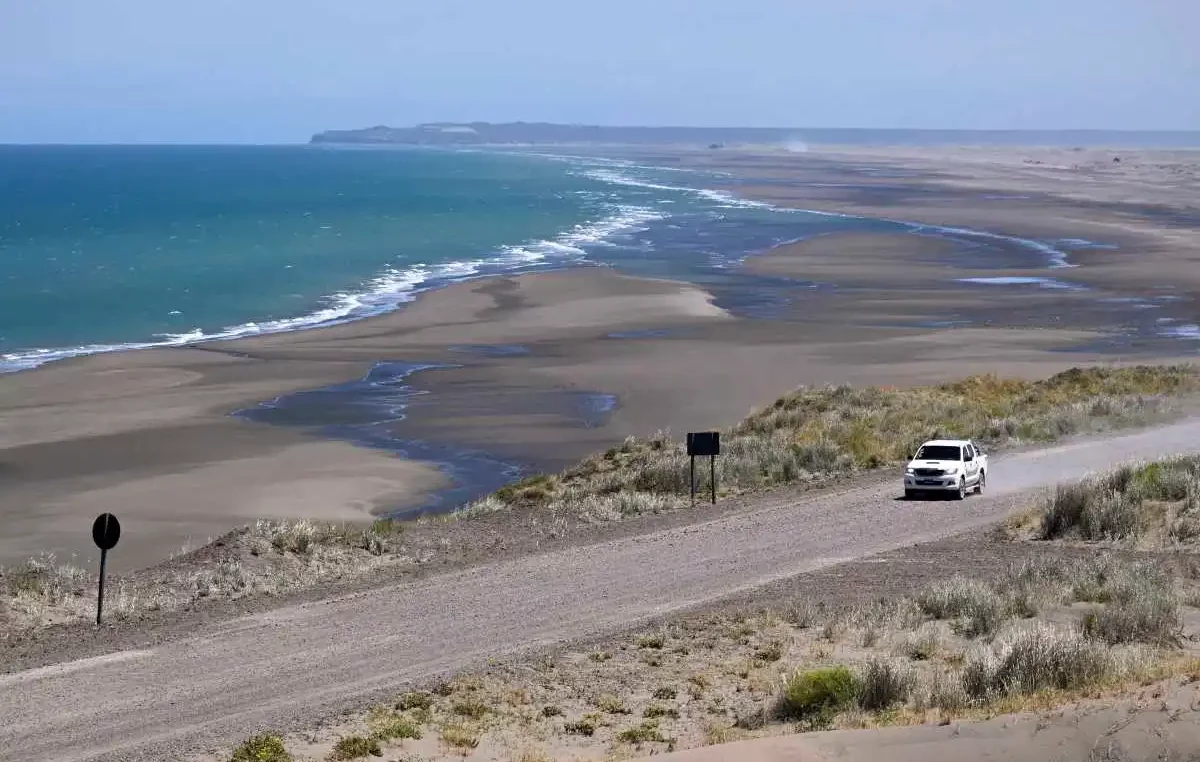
(114,247)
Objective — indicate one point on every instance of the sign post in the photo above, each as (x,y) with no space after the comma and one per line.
(106,530)
(704,443)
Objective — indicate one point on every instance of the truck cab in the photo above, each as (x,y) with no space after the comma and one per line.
(946,467)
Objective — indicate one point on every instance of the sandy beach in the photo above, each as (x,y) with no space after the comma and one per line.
(538,370)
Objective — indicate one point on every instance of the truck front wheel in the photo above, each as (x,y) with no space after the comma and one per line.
(961,493)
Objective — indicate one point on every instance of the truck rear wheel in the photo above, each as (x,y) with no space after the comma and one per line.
(982,483)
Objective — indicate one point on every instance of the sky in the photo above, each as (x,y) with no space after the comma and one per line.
(270,71)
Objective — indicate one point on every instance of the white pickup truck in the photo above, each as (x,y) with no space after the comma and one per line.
(946,467)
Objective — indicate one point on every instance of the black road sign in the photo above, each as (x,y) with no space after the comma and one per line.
(702,443)
(106,530)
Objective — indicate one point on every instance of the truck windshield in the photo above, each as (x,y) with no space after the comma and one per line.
(939,452)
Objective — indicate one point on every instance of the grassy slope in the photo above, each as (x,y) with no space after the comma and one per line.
(810,436)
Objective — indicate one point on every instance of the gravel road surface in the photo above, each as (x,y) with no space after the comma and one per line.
(290,667)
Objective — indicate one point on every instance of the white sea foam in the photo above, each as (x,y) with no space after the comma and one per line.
(383,293)
(721,198)
(1181,331)
(1056,257)
(1021,280)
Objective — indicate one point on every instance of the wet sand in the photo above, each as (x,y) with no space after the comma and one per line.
(535,371)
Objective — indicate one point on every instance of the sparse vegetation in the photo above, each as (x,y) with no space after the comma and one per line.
(390,727)
(355,747)
(459,736)
(1156,502)
(1043,657)
(646,732)
(1099,622)
(414,700)
(583,727)
(471,708)
(262,748)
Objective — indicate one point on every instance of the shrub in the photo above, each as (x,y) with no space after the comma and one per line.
(979,607)
(817,691)
(392,728)
(658,710)
(1111,516)
(665,693)
(1145,614)
(771,652)
(459,737)
(882,685)
(945,693)
(651,641)
(1038,658)
(414,700)
(1065,512)
(583,727)
(472,708)
(354,747)
(803,614)
(611,705)
(923,644)
(955,597)
(262,748)
(645,733)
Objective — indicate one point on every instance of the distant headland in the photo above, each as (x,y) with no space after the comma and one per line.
(547,133)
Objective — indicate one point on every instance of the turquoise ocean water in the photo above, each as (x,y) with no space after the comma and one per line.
(111,247)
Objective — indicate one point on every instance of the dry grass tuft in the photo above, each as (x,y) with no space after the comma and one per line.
(1039,658)
(1160,499)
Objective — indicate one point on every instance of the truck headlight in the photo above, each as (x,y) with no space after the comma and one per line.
(908,471)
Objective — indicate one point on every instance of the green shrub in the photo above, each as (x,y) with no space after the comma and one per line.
(818,691)
(355,747)
(393,728)
(262,748)
(645,733)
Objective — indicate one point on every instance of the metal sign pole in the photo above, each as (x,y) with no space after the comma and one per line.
(100,595)
(692,481)
(712,465)
(106,531)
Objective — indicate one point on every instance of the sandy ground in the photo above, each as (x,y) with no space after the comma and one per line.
(292,667)
(1147,204)
(1156,724)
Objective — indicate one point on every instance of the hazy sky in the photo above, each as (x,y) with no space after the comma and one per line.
(279,70)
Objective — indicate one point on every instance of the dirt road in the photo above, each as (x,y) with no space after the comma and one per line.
(290,667)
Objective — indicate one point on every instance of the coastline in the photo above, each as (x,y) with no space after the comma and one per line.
(534,371)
